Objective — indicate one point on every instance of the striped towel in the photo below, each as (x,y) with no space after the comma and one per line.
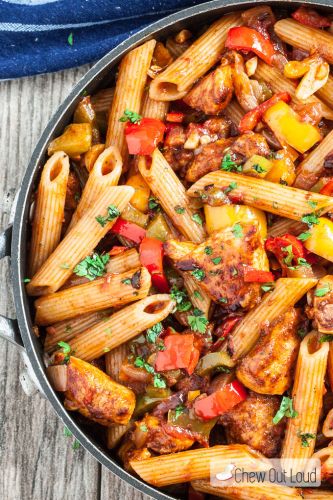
(38,36)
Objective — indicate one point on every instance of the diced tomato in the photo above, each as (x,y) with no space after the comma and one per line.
(151,256)
(278,245)
(310,17)
(327,189)
(220,401)
(129,230)
(243,38)
(251,119)
(142,138)
(175,117)
(256,275)
(179,353)
(117,250)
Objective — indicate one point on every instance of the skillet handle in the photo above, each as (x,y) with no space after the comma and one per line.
(8,327)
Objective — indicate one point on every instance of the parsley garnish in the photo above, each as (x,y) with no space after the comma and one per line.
(310,219)
(143,428)
(70,39)
(92,267)
(153,204)
(181,298)
(321,292)
(286,410)
(216,260)
(313,204)
(153,333)
(289,257)
(259,169)
(113,213)
(130,116)
(76,445)
(237,230)
(232,185)
(222,369)
(198,322)
(196,218)
(305,436)
(301,262)
(224,300)
(159,382)
(267,287)
(179,210)
(126,281)
(66,349)
(199,274)
(67,432)
(179,410)
(229,165)
(26,280)
(304,236)
(208,250)
(197,295)
(326,338)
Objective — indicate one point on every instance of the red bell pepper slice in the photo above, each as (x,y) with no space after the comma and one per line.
(129,230)
(256,275)
(310,17)
(251,119)
(223,330)
(220,401)
(151,256)
(243,38)
(117,250)
(327,189)
(277,244)
(179,353)
(175,117)
(142,138)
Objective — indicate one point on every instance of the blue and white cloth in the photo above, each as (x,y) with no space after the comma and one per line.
(38,36)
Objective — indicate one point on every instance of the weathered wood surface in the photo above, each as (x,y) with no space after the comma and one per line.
(37,461)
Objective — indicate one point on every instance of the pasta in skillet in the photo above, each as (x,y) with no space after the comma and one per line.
(181,254)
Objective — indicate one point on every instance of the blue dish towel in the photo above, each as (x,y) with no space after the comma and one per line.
(38,36)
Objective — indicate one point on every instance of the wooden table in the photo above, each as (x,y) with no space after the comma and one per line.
(37,461)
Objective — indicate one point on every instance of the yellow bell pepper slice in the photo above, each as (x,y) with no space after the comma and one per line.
(141,196)
(321,239)
(283,170)
(218,218)
(75,140)
(287,126)
(257,166)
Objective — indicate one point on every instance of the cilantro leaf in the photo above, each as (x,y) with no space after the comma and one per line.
(153,204)
(313,204)
(259,169)
(159,382)
(267,287)
(216,260)
(232,185)
(304,236)
(229,165)
(92,267)
(310,219)
(66,349)
(199,274)
(196,218)
(127,281)
(326,338)
(153,333)
(112,213)
(208,250)
(321,292)
(198,322)
(197,295)
(130,116)
(179,410)
(237,230)
(305,436)
(286,410)
(181,298)
(179,210)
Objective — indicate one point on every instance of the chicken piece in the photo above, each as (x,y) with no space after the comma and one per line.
(251,422)
(178,249)
(250,144)
(268,368)
(218,265)
(244,90)
(323,305)
(212,93)
(95,395)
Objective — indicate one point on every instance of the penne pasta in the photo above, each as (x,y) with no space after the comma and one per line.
(300,438)
(128,94)
(102,100)
(330,366)
(198,296)
(154,109)
(284,226)
(234,112)
(121,326)
(174,82)
(79,242)
(171,193)
(105,172)
(125,261)
(196,464)
(115,290)
(282,200)
(254,491)
(286,293)
(311,168)
(49,210)
(305,38)
(68,329)
(280,83)
(316,494)
(326,92)
(114,434)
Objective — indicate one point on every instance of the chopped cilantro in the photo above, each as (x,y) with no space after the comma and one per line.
(222,369)
(67,432)
(127,281)
(208,250)
(66,349)
(326,338)
(143,428)
(229,165)
(153,204)
(267,287)
(197,295)
(321,292)
(76,445)
(179,210)
(130,116)
(232,185)
(153,333)
(181,298)
(289,257)
(198,322)
(112,213)
(305,436)
(196,218)
(286,410)
(179,410)
(159,382)
(199,274)
(224,300)
(216,260)
(313,204)
(237,230)
(92,267)
(259,169)
(304,236)
(26,280)
(310,219)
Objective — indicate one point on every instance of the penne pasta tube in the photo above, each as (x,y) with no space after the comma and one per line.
(122,262)
(101,101)
(105,172)
(316,494)
(280,83)
(284,226)
(255,491)
(234,112)
(154,109)
(121,326)
(282,200)
(129,90)
(326,92)
(305,38)
(196,464)
(79,242)
(311,168)
(114,434)
(197,295)
(49,210)
(174,82)
(330,366)
(68,329)
(115,290)
(286,293)
(307,394)
(171,193)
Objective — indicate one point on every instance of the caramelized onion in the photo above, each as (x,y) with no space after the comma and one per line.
(57,376)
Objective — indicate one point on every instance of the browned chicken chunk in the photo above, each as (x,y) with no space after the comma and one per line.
(95,395)
(268,368)
(250,144)
(218,265)
(251,422)
(212,93)
(322,311)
